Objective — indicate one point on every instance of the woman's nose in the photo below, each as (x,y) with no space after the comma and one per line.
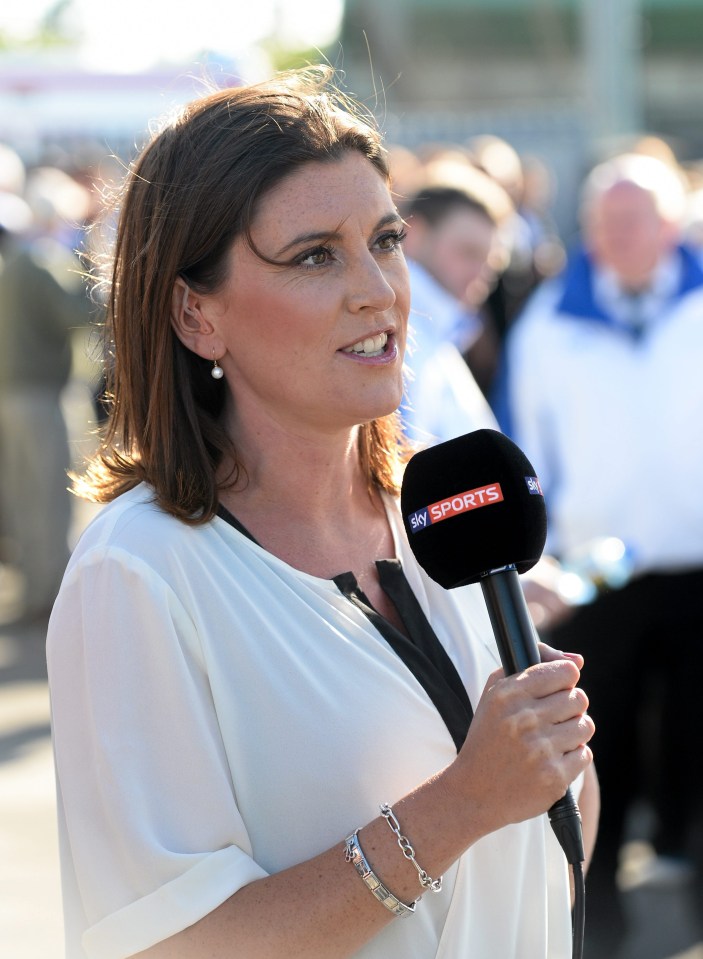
(369,287)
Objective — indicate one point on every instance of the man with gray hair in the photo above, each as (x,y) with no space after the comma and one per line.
(601,387)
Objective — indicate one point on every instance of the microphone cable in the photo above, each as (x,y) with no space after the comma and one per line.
(565,820)
(578,913)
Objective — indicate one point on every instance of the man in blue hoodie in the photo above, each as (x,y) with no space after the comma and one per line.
(601,387)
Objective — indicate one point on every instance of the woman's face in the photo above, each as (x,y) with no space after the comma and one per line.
(317,342)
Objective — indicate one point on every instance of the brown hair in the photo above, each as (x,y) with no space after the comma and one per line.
(194,189)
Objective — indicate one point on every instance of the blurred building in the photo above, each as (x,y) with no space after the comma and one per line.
(52,108)
(562,79)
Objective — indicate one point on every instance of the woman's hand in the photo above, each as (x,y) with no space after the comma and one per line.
(526,744)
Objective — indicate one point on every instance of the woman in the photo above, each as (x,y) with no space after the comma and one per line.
(245,660)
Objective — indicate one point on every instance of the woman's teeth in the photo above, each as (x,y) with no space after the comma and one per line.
(371,346)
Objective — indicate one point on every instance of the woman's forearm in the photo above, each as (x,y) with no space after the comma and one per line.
(321,908)
(526,743)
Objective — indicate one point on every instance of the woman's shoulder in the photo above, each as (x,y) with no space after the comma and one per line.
(134,529)
(131,517)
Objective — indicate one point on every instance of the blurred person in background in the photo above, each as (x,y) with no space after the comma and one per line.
(453,222)
(536,209)
(15,217)
(693,216)
(454,251)
(602,389)
(407,171)
(533,247)
(15,212)
(42,300)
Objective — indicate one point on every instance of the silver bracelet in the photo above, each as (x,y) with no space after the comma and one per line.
(434,885)
(354,855)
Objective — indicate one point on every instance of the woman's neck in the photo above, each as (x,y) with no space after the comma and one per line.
(307,501)
(291,476)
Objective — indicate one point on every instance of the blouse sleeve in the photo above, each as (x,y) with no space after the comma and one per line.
(148,815)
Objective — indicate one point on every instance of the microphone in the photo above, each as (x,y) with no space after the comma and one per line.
(474,512)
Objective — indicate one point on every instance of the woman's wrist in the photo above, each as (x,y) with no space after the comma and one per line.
(471,817)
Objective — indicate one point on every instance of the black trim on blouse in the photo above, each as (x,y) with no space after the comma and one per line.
(421,651)
(225,514)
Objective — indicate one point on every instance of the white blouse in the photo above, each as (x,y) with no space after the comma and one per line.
(219,716)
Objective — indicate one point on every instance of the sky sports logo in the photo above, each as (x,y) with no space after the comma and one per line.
(533,485)
(454,506)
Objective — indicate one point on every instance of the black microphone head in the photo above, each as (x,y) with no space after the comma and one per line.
(472,505)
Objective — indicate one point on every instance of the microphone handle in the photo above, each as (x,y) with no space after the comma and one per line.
(516,639)
(510,618)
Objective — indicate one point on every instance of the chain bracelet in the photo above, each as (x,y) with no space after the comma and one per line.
(434,885)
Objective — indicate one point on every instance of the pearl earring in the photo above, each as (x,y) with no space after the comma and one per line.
(216,372)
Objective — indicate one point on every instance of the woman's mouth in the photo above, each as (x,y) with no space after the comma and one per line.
(371,346)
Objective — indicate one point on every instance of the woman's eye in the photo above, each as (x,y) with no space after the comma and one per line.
(317,257)
(391,241)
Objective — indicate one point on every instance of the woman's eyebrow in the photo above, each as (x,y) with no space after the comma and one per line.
(317,236)
(313,237)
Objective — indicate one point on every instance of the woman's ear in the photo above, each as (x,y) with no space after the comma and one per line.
(190,325)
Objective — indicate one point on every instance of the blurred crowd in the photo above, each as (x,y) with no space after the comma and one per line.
(44,302)
(584,349)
